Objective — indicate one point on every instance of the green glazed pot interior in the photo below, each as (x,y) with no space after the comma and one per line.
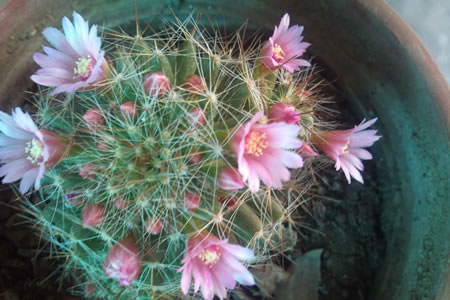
(380,66)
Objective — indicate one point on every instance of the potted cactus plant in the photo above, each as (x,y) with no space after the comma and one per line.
(115,200)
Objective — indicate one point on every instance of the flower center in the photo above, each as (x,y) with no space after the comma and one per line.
(256,143)
(83,68)
(278,53)
(210,257)
(345,149)
(35,150)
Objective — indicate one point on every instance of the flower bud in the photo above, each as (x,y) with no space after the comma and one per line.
(128,109)
(282,112)
(120,203)
(123,262)
(74,198)
(306,151)
(153,226)
(102,146)
(93,117)
(194,83)
(55,145)
(196,117)
(88,170)
(90,289)
(93,215)
(191,200)
(195,158)
(156,84)
(229,201)
(230,179)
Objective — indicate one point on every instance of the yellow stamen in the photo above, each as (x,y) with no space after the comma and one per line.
(278,52)
(209,257)
(256,143)
(345,149)
(83,68)
(35,151)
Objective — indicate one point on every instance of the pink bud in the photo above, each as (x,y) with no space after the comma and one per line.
(93,215)
(191,201)
(55,145)
(194,83)
(128,109)
(74,198)
(230,179)
(229,201)
(102,146)
(120,203)
(282,112)
(156,84)
(196,117)
(306,151)
(93,117)
(90,289)
(123,262)
(153,226)
(88,170)
(195,158)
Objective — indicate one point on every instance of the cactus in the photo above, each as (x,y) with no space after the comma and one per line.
(147,142)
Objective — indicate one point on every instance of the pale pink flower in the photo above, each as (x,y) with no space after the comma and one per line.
(229,179)
(283,112)
(153,226)
(196,117)
(215,265)
(156,84)
(93,117)
(88,170)
(285,47)
(123,262)
(346,147)
(93,215)
(191,200)
(307,151)
(194,83)
(77,61)
(261,150)
(128,109)
(26,152)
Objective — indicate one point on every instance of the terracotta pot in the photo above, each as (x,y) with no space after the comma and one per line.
(381,66)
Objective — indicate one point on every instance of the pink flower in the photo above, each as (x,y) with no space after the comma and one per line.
(123,262)
(261,150)
(88,170)
(346,147)
(26,152)
(93,117)
(230,180)
(128,109)
(194,83)
(156,84)
(196,117)
(215,266)
(153,226)
(76,62)
(282,112)
(307,151)
(93,215)
(191,200)
(284,48)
